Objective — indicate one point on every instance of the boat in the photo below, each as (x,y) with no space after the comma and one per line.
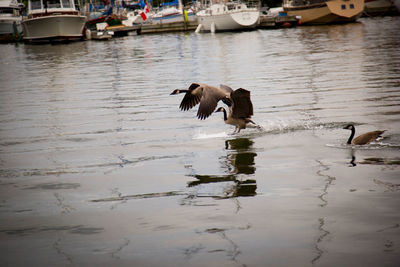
(276,18)
(53,20)
(324,11)
(132,13)
(379,7)
(10,21)
(227,16)
(172,12)
(110,20)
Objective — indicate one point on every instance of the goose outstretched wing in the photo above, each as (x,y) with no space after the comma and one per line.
(242,106)
(209,100)
(192,97)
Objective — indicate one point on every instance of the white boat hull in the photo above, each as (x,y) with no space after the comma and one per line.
(220,17)
(54,27)
(228,22)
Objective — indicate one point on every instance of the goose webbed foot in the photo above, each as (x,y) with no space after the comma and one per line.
(259,127)
(237,130)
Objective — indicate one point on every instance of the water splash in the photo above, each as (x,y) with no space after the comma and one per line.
(277,126)
(203,135)
(282,126)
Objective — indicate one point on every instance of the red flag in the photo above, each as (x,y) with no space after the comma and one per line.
(146,11)
(144,17)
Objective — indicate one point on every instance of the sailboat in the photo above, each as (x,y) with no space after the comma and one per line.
(173,12)
(227,16)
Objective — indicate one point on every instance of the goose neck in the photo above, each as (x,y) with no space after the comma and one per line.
(351,136)
(225,116)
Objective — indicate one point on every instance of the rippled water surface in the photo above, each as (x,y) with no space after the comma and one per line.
(99,166)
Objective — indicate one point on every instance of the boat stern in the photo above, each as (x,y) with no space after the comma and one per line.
(246,18)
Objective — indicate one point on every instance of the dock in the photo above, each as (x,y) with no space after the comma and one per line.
(169,27)
(266,22)
(279,21)
(122,30)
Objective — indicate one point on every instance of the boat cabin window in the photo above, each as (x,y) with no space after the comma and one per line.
(36,4)
(66,4)
(343,6)
(352,6)
(6,10)
(53,3)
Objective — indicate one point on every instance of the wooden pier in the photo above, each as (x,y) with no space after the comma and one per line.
(122,30)
(273,22)
(169,27)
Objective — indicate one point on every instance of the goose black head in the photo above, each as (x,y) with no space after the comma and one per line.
(175,92)
(349,127)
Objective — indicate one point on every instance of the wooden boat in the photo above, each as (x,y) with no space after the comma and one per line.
(324,11)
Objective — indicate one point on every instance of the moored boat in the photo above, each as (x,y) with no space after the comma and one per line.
(325,11)
(227,16)
(10,21)
(53,20)
(132,13)
(172,12)
(110,20)
(379,7)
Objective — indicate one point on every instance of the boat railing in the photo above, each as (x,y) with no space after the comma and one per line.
(253,4)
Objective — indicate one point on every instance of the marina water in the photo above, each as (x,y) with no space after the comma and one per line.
(98,166)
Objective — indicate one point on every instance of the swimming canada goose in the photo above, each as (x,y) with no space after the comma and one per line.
(208,97)
(364,138)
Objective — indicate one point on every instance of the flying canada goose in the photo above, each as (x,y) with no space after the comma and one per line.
(238,101)
(364,138)
(208,97)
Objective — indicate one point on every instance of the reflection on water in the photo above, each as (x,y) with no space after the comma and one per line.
(238,164)
(87,132)
(384,161)
(240,156)
(322,234)
(322,231)
(353,158)
(381,161)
